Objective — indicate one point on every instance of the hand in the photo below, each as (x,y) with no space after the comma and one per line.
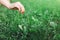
(17,6)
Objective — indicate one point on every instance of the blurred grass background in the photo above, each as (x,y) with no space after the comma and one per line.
(41,21)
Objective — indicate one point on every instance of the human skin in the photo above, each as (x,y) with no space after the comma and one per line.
(16,6)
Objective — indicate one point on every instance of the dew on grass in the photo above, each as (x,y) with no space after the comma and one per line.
(34,19)
(46,12)
(20,26)
(35,11)
(53,24)
(25,29)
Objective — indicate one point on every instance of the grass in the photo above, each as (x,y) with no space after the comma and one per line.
(41,21)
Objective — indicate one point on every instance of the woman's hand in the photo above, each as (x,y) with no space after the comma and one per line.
(17,6)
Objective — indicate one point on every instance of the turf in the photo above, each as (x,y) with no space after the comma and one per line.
(41,21)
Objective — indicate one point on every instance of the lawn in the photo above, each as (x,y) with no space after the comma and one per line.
(41,21)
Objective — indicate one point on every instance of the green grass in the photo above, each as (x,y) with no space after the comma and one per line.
(41,21)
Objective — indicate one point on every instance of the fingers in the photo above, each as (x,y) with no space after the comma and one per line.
(18,6)
(21,7)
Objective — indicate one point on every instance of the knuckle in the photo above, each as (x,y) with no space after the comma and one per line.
(18,2)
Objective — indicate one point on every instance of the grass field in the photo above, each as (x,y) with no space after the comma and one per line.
(41,21)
